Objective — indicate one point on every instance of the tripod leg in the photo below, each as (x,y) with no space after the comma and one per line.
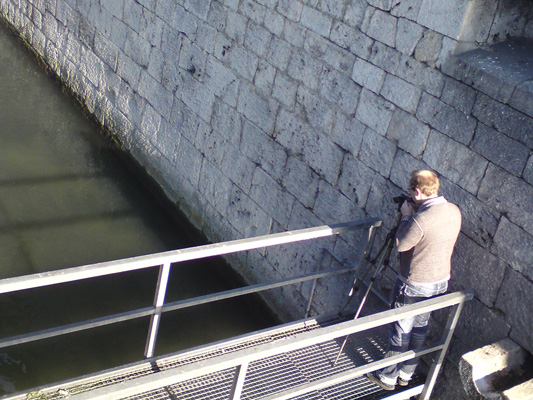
(384,262)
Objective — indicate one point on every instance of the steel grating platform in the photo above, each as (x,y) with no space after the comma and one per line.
(264,377)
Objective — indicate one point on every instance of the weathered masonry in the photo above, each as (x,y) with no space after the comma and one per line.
(267,115)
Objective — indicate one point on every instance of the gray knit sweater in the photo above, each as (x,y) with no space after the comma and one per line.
(425,242)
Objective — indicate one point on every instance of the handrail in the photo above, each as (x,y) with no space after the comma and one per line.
(241,359)
(164,260)
(176,256)
(295,342)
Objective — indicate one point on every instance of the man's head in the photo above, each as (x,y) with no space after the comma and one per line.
(423,184)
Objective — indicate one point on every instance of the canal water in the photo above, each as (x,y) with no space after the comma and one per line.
(67,198)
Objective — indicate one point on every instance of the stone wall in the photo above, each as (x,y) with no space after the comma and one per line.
(267,115)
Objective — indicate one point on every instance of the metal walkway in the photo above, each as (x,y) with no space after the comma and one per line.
(293,361)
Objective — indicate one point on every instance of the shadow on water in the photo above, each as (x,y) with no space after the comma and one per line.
(67,198)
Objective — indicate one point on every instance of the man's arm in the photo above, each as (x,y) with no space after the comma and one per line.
(409,232)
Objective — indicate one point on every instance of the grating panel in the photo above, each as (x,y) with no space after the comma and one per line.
(267,376)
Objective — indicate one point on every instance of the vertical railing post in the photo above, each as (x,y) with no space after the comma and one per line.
(161,290)
(439,355)
(313,286)
(238,382)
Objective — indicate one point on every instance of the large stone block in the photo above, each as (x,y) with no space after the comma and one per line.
(264,78)
(355,13)
(446,119)
(385,57)
(301,181)
(504,119)
(305,68)
(340,90)
(514,246)
(189,162)
(185,121)
(215,187)
(348,133)
(374,111)
(257,39)
(237,167)
(528,172)
(253,10)
(316,21)
(197,97)
(318,113)
(402,166)
(221,81)
(500,149)
(322,155)
(408,35)
(303,217)
(428,79)
(271,197)
(480,221)
(274,22)
(355,181)
(200,8)
(367,75)
(291,130)
(410,134)
(380,204)
(471,261)
(91,66)
(406,8)
(332,207)
(294,33)
(279,53)
(329,53)
(383,28)
(167,141)
(246,216)
(285,90)
(377,152)
(193,60)
(446,17)
(401,93)
(236,27)
(458,95)
(509,195)
(263,150)
(160,98)
(227,122)
(516,300)
(292,9)
(243,62)
(351,39)
(137,48)
(451,159)
(521,98)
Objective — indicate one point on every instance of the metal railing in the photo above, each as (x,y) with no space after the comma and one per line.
(242,359)
(164,261)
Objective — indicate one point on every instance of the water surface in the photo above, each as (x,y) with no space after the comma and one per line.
(68,199)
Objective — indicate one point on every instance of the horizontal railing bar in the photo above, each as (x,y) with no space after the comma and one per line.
(176,256)
(173,306)
(76,327)
(228,294)
(295,342)
(351,374)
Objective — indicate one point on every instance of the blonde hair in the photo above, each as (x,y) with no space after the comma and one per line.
(426,181)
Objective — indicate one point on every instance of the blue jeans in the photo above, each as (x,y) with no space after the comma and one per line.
(409,333)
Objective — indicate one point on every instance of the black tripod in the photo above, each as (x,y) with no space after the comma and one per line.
(381,260)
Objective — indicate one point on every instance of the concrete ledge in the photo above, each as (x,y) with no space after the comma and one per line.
(500,370)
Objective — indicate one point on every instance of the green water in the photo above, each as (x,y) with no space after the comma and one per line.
(68,199)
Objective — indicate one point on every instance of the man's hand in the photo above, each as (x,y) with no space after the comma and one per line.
(407,208)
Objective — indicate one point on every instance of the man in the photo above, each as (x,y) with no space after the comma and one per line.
(425,238)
